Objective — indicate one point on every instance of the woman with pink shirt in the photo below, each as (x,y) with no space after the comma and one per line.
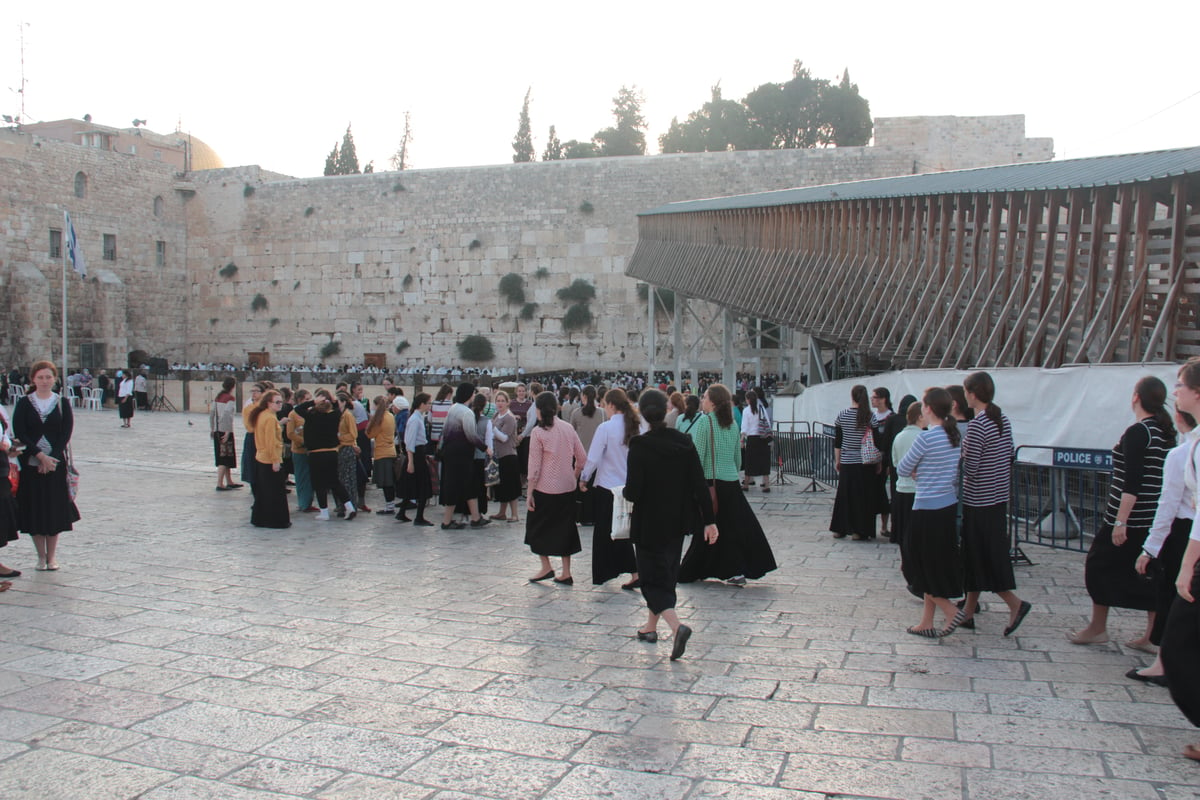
(556,457)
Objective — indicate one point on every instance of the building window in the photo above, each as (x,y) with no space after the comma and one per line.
(158,206)
(158,155)
(80,184)
(133,149)
(160,253)
(110,247)
(55,243)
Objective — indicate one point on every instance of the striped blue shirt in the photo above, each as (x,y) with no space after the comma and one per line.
(934,462)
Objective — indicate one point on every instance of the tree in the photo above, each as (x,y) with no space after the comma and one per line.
(845,115)
(369,168)
(331,161)
(554,148)
(788,115)
(399,160)
(347,157)
(628,136)
(578,149)
(523,141)
(719,125)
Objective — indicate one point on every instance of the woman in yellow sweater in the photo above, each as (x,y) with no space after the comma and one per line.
(270,508)
(381,430)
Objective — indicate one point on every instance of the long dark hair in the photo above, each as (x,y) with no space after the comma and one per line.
(265,399)
(939,401)
(692,402)
(858,396)
(883,394)
(381,408)
(619,400)
(762,396)
(547,409)
(588,409)
(722,403)
(752,400)
(960,402)
(1152,395)
(981,385)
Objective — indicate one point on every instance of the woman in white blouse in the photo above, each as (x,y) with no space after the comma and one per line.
(607,460)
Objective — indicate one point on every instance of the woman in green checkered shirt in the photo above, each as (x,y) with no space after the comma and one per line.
(742,550)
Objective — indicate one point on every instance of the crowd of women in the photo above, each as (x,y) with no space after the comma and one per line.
(949,464)
(575,457)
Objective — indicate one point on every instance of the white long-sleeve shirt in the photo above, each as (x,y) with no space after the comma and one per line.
(1174,502)
(608,457)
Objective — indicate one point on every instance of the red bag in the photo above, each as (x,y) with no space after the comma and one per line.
(14,476)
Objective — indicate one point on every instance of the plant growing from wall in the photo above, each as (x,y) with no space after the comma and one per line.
(402,346)
(528,310)
(330,349)
(228,271)
(475,348)
(512,288)
(247,191)
(475,244)
(308,212)
(586,208)
(542,272)
(259,303)
(407,282)
(274,321)
(580,291)
(578,316)
(666,297)
(295,286)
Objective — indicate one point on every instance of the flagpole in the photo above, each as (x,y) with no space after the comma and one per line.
(65,248)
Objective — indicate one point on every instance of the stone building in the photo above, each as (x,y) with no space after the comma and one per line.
(218,264)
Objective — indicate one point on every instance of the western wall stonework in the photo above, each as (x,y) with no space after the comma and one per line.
(373,261)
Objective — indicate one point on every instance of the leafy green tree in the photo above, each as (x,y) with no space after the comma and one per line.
(788,115)
(369,168)
(523,141)
(578,149)
(628,136)
(719,125)
(331,161)
(554,148)
(399,160)
(347,157)
(845,115)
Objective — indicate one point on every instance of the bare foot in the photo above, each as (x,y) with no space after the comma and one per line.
(5,586)
(1192,751)
(1087,636)
(1142,645)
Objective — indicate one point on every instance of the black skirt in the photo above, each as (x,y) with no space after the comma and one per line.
(8,505)
(658,571)
(758,456)
(125,407)
(932,564)
(550,528)
(384,472)
(1109,572)
(741,548)
(270,509)
(224,450)
(1181,652)
(1165,569)
(854,506)
(509,487)
(457,485)
(987,563)
(44,505)
(418,485)
(248,450)
(609,558)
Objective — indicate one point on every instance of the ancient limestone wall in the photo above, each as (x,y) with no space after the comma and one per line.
(376,261)
(127,303)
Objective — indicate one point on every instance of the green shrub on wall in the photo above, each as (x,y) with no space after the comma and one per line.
(578,316)
(475,348)
(402,346)
(228,271)
(259,303)
(330,349)
(512,288)
(580,291)
(527,311)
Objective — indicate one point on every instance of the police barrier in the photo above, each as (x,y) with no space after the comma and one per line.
(805,450)
(1058,495)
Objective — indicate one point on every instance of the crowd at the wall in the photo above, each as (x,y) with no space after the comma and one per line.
(936,475)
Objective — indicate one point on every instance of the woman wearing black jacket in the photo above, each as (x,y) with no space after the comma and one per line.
(665,483)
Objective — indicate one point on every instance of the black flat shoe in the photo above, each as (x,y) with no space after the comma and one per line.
(452,526)
(647,636)
(1021,612)
(402,517)
(424,523)
(16,573)
(682,634)
(1153,680)
(549,574)
(568,581)
(631,586)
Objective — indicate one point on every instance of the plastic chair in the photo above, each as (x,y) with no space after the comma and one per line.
(92,399)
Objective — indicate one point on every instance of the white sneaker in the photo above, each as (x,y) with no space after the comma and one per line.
(323,515)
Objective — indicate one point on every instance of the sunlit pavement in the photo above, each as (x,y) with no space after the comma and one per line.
(182,653)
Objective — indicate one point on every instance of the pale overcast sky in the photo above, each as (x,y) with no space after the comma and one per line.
(275,83)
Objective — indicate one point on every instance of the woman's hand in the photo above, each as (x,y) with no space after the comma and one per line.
(710,533)
(275,467)
(46,464)
(410,467)
(1120,535)
(529,502)
(583,486)
(1142,562)
(1183,585)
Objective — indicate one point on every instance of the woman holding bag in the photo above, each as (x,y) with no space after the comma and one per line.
(607,458)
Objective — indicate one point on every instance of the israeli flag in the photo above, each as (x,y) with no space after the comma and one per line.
(73,251)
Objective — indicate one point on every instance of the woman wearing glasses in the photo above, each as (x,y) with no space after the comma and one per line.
(270,508)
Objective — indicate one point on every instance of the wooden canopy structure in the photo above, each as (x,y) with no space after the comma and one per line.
(1082,261)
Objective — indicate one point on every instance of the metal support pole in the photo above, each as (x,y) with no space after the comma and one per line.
(728,373)
(651,341)
(677,334)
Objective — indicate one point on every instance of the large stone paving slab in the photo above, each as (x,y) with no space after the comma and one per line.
(181,654)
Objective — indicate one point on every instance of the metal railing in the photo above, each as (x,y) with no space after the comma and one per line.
(1056,505)
(805,450)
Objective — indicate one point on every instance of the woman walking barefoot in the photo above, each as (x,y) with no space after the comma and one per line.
(556,457)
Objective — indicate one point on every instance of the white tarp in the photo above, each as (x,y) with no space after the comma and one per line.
(1082,406)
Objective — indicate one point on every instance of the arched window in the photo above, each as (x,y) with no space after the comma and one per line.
(80,184)
(158,206)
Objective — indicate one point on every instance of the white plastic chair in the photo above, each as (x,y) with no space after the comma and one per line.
(92,399)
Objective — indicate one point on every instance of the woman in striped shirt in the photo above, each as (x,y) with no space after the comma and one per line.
(1109,572)
(854,507)
(932,562)
(987,451)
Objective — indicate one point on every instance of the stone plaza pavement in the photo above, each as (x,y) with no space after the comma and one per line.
(182,654)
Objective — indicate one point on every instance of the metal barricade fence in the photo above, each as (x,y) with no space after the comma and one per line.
(1053,504)
(805,450)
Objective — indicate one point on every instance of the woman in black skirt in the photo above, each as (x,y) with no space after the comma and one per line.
(857,490)
(1181,639)
(987,453)
(556,457)
(1132,498)
(270,509)
(125,399)
(418,482)
(1162,553)
(665,483)
(460,439)
(8,508)
(43,422)
(505,434)
(757,448)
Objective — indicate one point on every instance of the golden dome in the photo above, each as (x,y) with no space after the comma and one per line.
(203,156)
